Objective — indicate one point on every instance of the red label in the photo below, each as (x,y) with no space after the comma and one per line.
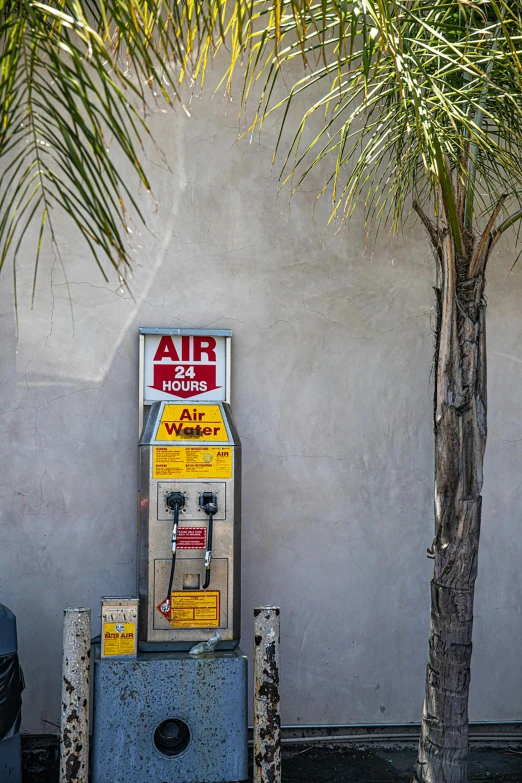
(185,380)
(192,538)
(188,370)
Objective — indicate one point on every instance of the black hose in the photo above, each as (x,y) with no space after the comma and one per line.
(209,549)
(173,564)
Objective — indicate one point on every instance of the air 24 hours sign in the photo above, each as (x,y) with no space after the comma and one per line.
(184,366)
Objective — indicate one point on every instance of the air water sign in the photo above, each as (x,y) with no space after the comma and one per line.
(185,364)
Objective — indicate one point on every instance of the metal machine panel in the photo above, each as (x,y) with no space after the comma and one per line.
(188,577)
(155,531)
(191,511)
(133,744)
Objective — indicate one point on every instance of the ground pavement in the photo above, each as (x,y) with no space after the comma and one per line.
(303,763)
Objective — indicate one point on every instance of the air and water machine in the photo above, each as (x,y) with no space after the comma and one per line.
(162,714)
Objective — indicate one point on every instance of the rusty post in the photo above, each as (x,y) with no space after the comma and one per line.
(74,739)
(267,720)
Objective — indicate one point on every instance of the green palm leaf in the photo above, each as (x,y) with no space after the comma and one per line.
(419,98)
(74,79)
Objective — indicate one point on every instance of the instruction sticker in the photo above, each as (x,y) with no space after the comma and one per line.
(193,609)
(119,639)
(190,462)
(192,422)
(192,538)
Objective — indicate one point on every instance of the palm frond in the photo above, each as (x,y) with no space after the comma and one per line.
(75,78)
(420,99)
(417,99)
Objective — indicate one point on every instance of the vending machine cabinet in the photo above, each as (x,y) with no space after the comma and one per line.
(190,526)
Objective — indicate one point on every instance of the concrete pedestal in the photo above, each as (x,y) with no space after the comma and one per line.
(170,718)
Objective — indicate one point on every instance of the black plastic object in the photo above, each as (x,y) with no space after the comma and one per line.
(11,676)
(11,687)
(175,501)
(172,737)
(208,502)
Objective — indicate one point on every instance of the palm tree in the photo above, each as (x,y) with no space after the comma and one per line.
(422,107)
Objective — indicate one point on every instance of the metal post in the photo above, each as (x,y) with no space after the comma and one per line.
(267,719)
(74,739)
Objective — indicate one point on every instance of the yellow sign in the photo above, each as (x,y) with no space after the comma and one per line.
(119,638)
(194,609)
(189,462)
(192,422)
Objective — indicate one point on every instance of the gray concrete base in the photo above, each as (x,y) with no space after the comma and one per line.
(132,698)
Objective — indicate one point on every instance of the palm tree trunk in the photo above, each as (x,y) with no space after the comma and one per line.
(460,439)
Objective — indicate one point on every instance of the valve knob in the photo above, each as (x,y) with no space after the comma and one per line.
(175,499)
(208,503)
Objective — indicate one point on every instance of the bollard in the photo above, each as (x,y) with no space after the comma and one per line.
(74,738)
(267,720)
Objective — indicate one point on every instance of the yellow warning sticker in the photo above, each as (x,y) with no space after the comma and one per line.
(193,609)
(190,462)
(192,422)
(119,638)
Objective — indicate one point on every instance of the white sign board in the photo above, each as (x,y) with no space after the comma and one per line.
(184,364)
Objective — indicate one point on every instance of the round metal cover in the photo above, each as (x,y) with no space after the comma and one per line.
(172,737)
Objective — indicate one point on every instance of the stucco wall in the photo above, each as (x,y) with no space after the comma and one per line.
(332,356)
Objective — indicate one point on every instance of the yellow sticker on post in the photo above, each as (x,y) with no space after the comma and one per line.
(193,609)
(192,422)
(118,639)
(191,462)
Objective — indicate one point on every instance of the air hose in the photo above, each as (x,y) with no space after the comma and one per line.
(175,501)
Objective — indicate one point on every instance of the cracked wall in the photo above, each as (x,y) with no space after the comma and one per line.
(332,356)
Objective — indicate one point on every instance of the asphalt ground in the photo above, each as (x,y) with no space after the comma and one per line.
(347,765)
(304,763)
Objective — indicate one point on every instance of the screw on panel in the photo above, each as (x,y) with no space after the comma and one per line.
(74,737)
(267,719)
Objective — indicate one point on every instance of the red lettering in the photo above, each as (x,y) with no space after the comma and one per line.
(204,345)
(185,414)
(166,350)
(185,348)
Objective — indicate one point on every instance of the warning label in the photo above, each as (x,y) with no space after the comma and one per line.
(119,638)
(193,609)
(194,422)
(192,538)
(192,462)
